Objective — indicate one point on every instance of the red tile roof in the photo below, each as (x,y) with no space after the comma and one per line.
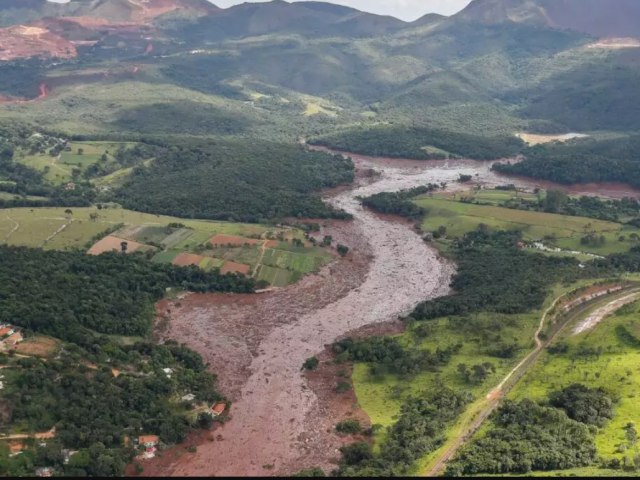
(218,408)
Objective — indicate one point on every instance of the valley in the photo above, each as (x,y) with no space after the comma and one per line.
(296,238)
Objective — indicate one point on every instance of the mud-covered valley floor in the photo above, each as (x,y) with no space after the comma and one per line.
(281,421)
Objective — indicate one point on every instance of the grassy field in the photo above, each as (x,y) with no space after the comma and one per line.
(615,368)
(561,231)
(59,170)
(53,228)
(382,398)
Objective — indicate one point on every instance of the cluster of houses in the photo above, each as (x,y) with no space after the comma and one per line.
(10,337)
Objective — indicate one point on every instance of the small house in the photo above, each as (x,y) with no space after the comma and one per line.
(148,441)
(6,331)
(189,397)
(218,409)
(44,472)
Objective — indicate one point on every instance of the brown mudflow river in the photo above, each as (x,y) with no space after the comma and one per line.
(257,343)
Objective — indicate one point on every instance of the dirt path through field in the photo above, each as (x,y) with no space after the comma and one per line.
(15,228)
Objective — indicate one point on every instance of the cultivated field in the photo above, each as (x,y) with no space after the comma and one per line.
(232,247)
(38,346)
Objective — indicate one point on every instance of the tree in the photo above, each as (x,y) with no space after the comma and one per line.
(68,211)
(327,241)
(311,363)
(631,434)
(342,250)
(554,201)
(124,246)
(81,151)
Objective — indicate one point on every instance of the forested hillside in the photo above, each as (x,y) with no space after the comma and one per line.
(235,180)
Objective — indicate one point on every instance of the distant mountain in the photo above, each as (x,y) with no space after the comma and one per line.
(305,18)
(602,18)
(129,11)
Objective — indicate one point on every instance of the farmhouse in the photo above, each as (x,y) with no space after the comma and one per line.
(148,440)
(44,472)
(10,336)
(14,339)
(6,331)
(150,444)
(218,409)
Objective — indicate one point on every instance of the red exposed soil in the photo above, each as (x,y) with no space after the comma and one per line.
(23,41)
(111,243)
(233,267)
(186,259)
(258,343)
(224,240)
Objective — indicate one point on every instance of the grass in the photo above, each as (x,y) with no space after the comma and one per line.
(59,170)
(562,231)
(615,369)
(382,397)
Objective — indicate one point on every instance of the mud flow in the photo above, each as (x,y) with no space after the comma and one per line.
(258,343)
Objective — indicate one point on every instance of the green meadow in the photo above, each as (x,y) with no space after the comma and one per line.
(606,356)
(562,231)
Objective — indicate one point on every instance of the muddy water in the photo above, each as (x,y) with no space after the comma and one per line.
(258,343)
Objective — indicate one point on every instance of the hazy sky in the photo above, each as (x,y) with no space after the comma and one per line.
(404,9)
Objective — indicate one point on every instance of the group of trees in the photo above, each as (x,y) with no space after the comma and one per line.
(495,275)
(65,293)
(387,355)
(93,409)
(525,437)
(420,429)
(557,201)
(413,142)
(84,300)
(581,161)
(235,180)
(399,203)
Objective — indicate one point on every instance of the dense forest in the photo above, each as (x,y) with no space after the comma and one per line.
(581,161)
(421,143)
(67,294)
(495,275)
(235,180)
(526,437)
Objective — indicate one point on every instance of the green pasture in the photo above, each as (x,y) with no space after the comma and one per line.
(558,230)
(616,369)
